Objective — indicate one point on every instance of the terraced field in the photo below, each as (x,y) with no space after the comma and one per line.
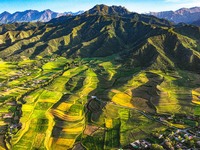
(57,112)
(99,80)
(18,84)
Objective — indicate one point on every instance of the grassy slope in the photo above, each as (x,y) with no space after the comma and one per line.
(150,71)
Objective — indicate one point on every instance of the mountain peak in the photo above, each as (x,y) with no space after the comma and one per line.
(107,10)
(186,15)
(5,13)
(48,10)
(191,10)
(29,11)
(185,11)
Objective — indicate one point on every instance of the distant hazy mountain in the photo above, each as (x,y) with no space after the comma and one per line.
(32,16)
(186,15)
(74,13)
(197,23)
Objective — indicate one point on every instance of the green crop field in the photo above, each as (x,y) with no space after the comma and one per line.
(57,112)
(100,80)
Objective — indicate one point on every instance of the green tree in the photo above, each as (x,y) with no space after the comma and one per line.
(156,147)
(192,143)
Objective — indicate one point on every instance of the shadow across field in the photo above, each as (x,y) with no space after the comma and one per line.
(185,83)
(149,91)
(74,84)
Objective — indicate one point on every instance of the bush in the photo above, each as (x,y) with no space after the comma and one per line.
(156,147)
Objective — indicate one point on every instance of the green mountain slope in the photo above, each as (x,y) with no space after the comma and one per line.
(100,80)
(100,36)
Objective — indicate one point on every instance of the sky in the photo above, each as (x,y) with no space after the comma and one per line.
(140,6)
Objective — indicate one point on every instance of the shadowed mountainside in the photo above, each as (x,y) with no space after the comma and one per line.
(96,80)
(146,41)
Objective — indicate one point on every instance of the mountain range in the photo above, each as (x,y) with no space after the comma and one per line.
(104,31)
(32,16)
(184,15)
(99,80)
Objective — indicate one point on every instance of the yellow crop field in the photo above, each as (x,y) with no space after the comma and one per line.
(122,99)
(68,143)
(66,117)
(108,123)
(64,106)
(73,130)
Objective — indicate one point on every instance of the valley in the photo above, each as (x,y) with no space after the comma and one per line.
(84,101)
(105,79)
